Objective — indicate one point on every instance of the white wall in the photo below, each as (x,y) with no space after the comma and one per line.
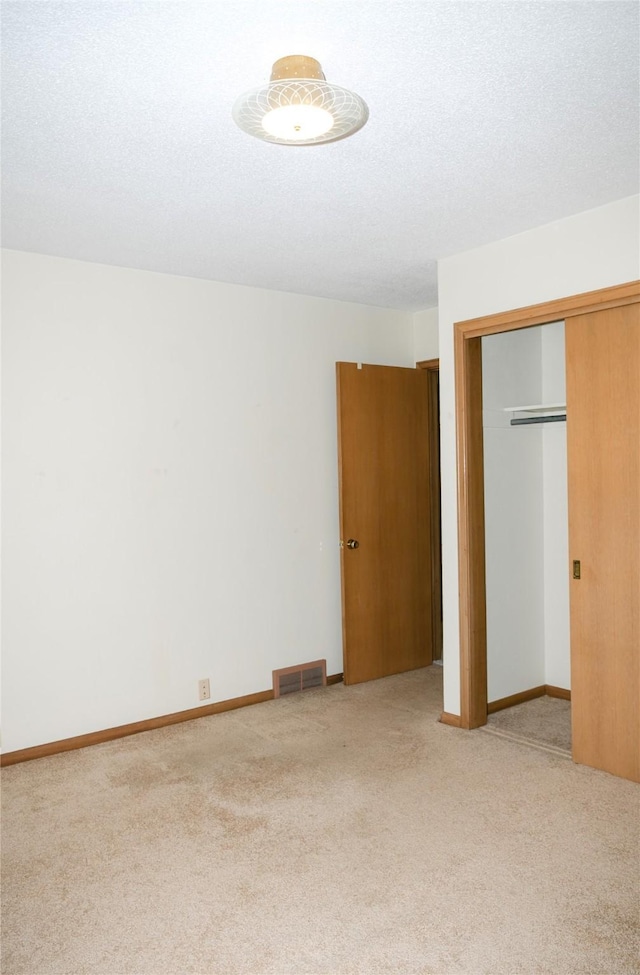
(170,488)
(514,514)
(591,250)
(556,514)
(425,334)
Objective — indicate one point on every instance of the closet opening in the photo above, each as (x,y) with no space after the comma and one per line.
(526,535)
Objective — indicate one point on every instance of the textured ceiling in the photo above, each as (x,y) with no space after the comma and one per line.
(487,119)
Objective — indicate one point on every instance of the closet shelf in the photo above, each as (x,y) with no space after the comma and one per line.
(538,408)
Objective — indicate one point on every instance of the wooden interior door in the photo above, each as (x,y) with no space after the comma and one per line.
(383,438)
(603,451)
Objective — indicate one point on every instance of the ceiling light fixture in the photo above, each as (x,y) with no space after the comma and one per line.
(299,107)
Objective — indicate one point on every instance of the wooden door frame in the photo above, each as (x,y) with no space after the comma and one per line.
(432,367)
(470,464)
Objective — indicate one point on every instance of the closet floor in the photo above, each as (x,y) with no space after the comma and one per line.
(544,723)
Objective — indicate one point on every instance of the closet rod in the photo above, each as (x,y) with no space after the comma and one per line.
(538,419)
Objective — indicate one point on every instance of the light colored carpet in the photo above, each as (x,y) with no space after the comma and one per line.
(343,830)
(544,723)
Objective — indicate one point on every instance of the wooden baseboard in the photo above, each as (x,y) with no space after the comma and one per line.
(562,692)
(136,727)
(530,695)
(520,698)
(451,719)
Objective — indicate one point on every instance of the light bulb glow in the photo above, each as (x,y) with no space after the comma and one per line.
(297,122)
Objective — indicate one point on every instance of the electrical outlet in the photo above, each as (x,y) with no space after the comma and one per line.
(204,689)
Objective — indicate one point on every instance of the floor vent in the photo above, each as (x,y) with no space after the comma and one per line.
(288,680)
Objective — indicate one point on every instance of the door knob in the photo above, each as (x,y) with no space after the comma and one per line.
(353,543)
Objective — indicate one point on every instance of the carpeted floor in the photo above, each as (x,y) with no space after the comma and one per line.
(543,723)
(343,830)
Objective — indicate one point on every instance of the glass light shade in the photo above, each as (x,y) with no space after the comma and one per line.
(297,123)
(299,107)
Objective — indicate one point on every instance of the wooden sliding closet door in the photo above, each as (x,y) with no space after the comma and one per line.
(603,448)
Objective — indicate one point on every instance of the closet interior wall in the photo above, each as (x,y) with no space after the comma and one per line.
(557,647)
(525,514)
